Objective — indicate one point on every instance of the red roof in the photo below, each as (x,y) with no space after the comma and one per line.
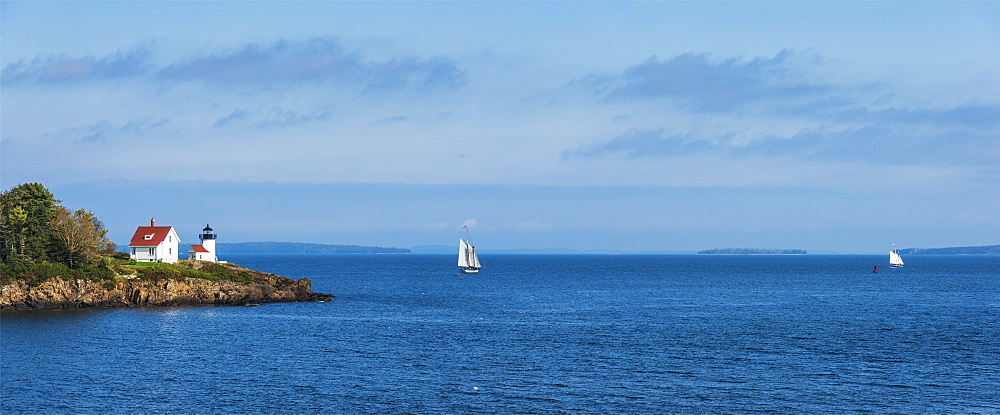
(150,235)
(198,248)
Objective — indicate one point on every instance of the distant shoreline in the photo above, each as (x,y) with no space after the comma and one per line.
(964,250)
(301,248)
(315,248)
(752,251)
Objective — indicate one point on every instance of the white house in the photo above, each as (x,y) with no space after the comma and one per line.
(205,251)
(154,243)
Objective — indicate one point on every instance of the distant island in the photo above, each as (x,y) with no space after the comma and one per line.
(303,248)
(964,250)
(752,251)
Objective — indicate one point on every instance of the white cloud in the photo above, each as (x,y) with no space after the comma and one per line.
(468,223)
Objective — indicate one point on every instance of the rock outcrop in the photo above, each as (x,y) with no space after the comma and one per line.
(129,291)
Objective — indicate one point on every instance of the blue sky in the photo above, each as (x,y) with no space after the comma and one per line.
(844,126)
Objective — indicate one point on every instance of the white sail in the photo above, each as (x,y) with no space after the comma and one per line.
(467,258)
(473,258)
(463,253)
(894,259)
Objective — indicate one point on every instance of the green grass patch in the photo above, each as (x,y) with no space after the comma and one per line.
(213,272)
(143,264)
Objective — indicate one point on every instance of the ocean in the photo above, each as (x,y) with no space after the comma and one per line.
(536,334)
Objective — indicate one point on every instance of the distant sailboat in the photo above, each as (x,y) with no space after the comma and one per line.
(467,258)
(894,259)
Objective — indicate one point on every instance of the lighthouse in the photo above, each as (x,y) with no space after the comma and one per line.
(205,251)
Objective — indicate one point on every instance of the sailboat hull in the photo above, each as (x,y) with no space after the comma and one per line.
(469,270)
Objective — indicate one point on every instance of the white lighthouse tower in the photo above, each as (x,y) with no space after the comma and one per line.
(205,251)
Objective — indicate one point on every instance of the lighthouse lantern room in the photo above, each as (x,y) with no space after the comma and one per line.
(205,251)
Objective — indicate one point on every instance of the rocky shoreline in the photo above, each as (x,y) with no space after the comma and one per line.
(130,291)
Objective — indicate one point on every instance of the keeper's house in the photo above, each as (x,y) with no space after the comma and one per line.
(154,243)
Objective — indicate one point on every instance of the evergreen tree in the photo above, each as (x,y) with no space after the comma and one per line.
(26,213)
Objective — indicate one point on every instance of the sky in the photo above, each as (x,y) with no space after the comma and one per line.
(634,126)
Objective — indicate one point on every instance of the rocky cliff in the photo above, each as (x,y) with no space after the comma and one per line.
(130,291)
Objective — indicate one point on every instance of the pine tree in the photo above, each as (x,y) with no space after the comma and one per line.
(26,213)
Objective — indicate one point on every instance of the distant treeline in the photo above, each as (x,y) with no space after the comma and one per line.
(964,250)
(301,248)
(752,251)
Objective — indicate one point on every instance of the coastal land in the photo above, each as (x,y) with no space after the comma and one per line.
(962,250)
(188,282)
(55,257)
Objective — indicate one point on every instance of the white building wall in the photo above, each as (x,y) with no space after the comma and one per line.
(168,248)
(143,254)
(166,251)
(209,245)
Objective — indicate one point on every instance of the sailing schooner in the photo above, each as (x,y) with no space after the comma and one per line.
(894,259)
(467,257)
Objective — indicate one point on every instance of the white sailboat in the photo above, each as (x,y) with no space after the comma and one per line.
(894,259)
(467,258)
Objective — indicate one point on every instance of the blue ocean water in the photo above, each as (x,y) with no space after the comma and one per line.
(537,334)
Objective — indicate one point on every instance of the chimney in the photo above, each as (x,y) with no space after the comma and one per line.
(152,222)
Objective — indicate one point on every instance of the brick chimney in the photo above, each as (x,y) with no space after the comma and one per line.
(152,222)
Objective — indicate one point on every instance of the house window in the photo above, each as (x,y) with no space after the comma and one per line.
(133,251)
(170,239)
(170,251)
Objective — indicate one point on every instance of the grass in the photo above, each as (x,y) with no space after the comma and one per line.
(35,274)
(143,264)
(212,272)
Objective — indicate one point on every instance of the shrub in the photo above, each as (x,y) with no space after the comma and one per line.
(99,271)
(225,273)
(10,272)
(122,261)
(161,271)
(121,255)
(40,272)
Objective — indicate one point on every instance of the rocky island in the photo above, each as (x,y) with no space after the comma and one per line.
(186,283)
(55,257)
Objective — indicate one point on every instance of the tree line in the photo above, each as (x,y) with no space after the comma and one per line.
(35,229)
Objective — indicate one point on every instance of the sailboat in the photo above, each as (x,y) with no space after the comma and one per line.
(467,258)
(894,259)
